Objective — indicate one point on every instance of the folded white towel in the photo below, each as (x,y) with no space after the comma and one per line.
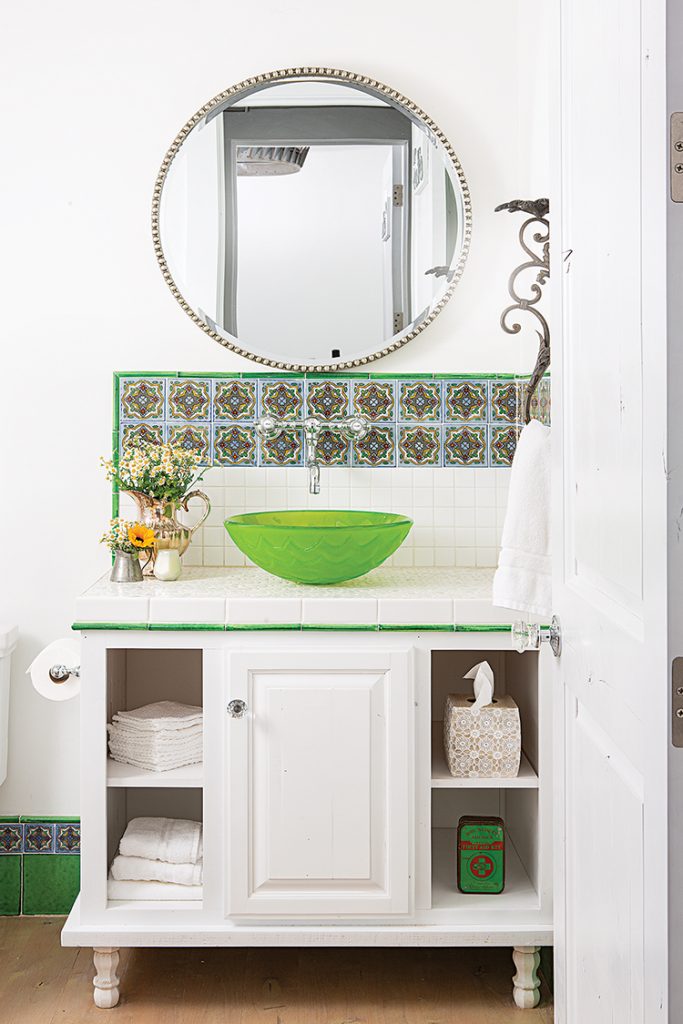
(156,756)
(155,750)
(164,714)
(155,744)
(135,869)
(158,751)
(174,840)
(159,736)
(523,579)
(156,766)
(151,891)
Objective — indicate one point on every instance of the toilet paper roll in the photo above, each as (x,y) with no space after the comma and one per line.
(61,652)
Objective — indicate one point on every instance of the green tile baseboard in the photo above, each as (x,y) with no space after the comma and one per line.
(40,864)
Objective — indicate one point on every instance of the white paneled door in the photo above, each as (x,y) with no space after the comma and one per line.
(319,784)
(610,480)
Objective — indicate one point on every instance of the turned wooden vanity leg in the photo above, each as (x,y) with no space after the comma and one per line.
(526,982)
(106,980)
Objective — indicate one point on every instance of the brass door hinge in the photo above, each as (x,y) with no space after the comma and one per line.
(398,195)
(677,702)
(676,161)
(398,322)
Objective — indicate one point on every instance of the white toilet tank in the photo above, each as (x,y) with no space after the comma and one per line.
(8,641)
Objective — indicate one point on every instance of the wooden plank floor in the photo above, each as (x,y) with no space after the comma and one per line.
(41,983)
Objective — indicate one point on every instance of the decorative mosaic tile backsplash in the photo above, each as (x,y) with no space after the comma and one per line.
(439,450)
(415,420)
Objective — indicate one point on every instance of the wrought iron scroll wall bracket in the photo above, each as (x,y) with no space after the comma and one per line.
(534,238)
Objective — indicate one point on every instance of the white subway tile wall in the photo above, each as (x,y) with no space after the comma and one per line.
(458,513)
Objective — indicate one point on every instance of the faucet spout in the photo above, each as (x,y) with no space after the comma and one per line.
(313,478)
(354,428)
(312,428)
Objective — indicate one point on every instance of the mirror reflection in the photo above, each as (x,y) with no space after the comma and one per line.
(313,222)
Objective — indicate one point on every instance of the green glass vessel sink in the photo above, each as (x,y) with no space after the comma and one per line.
(318,546)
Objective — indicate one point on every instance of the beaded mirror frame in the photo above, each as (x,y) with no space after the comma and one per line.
(370,85)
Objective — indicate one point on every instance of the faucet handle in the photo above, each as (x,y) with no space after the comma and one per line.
(268,425)
(356,427)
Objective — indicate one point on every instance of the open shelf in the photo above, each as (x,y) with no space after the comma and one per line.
(519,893)
(190,776)
(442,778)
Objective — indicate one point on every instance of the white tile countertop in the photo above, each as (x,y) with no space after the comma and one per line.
(239,598)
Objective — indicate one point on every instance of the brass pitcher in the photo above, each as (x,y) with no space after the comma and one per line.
(160,515)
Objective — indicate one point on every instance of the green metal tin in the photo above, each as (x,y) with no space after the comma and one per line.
(481,855)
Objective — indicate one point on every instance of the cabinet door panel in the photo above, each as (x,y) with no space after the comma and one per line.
(319,781)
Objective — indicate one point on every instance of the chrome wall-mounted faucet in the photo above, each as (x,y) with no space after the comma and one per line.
(355,428)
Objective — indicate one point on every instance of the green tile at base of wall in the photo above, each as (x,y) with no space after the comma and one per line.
(10,885)
(51,883)
(40,864)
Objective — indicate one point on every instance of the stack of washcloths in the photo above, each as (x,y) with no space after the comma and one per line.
(158,736)
(158,850)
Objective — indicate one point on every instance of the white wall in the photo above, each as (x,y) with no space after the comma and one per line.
(92,96)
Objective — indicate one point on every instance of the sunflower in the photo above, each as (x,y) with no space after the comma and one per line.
(140,536)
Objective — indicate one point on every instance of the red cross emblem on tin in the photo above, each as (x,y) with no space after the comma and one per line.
(481,866)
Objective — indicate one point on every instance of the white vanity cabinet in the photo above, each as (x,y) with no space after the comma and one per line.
(329,814)
(318,783)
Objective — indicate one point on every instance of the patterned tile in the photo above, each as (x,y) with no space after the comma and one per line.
(234,400)
(234,445)
(419,446)
(216,417)
(284,449)
(282,398)
(464,446)
(465,400)
(134,433)
(189,399)
(540,403)
(68,839)
(419,400)
(142,399)
(375,399)
(333,448)
(192,438)
(39,838)
(503,445)
(10,838)
(504,402)
(378,448)
(327,399)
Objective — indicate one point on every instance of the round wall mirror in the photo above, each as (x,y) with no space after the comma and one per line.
(311,219)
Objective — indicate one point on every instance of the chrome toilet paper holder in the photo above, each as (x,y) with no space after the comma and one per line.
(60,673)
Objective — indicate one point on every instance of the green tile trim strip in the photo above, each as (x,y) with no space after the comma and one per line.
(194,627)
(339,627)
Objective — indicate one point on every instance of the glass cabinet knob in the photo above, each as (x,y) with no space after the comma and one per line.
(237,708)
(528,636)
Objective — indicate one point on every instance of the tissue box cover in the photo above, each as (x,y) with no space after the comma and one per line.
(481,855)
(483,743)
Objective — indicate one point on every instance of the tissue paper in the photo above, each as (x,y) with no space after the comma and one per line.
(61,652)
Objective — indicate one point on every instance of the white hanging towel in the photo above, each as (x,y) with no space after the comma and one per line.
(523,579)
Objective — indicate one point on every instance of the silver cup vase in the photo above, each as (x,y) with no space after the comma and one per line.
(126,568)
